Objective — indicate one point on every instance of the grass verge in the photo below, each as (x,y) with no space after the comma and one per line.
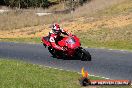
(126,45)
(18,74)
(116,38)
(22,40)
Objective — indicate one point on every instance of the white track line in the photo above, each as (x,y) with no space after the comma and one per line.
(74,71)
(103,48)
(121,50)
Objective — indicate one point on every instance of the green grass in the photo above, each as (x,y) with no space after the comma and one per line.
(126,45)
(22,40)
(18,74)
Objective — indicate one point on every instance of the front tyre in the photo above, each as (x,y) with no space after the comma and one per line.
(85,55)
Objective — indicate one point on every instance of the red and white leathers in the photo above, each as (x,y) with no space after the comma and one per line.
(54,37)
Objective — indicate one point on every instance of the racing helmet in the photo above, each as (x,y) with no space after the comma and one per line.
(56,28)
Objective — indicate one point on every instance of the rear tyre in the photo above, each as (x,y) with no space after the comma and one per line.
(52,51)
(55,53)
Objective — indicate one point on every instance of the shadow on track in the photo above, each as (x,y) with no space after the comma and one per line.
(66,58)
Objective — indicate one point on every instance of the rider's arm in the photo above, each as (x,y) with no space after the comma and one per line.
(52,40)
(65,32)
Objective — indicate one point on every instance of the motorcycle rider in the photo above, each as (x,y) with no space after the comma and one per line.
(54,35)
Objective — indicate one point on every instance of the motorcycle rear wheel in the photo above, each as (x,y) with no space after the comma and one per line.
(55,53)
(52,51)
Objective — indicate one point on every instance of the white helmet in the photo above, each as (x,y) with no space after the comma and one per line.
(56,28)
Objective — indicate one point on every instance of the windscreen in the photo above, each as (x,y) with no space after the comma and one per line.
(70,40)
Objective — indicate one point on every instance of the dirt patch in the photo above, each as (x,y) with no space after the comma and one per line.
(35,31)
(84,24)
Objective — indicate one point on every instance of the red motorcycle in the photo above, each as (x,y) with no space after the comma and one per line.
(72,47)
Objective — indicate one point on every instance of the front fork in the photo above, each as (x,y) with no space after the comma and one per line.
(78,51)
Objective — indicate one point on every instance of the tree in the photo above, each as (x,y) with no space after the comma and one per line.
(44,3)
(27,3)
(2,2)
(73,4)
(70,4)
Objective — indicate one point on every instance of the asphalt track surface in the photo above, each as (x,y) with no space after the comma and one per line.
(113,64)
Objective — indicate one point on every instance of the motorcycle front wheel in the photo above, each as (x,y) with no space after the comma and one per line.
(84,55)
